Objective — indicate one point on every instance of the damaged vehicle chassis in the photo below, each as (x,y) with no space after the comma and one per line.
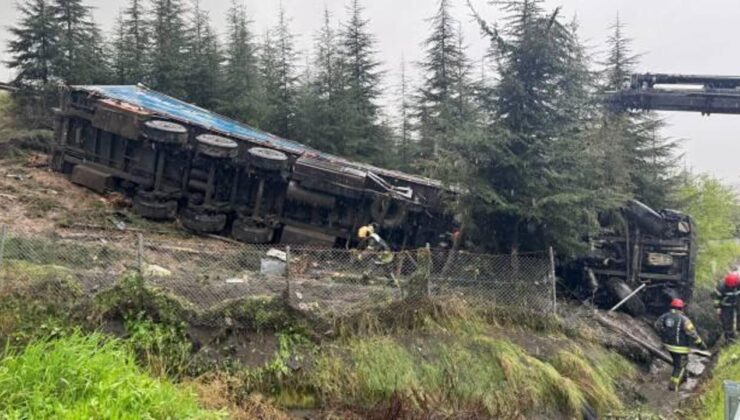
(217,176)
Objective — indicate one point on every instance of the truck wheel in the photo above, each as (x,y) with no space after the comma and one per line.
(166,132)
(394,216)
(154,209)
(243,232)
(268,159)
(202,222)
(217,146)
(620,290)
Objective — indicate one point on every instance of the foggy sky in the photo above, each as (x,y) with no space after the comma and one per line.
(677,36)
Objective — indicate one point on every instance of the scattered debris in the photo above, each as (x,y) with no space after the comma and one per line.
(151,270)
(277,254)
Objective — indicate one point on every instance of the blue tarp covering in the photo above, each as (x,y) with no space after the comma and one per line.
(167,106)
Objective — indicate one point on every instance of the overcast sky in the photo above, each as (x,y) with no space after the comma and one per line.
(678,36)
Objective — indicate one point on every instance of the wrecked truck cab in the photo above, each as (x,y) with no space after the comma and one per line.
(218,176)
(648,249)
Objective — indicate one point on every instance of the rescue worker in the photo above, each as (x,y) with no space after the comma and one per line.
(726,303)
(371,244)
(677,332)
(370,239)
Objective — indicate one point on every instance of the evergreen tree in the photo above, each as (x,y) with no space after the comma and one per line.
(529,179)
(644,157)
(441,100)
(241,71)
(320,102)
(130,45)
(203,71)
(405,144)
(81,57)
(34,42)
(167,70)
(118,43)
(364,137)
(279,79)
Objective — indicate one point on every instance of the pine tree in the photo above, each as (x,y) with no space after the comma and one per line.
(203,71)
(364,137)
(441,100)
(405,146)
(279,78)
(239,97)
(81,59)
(118,62)
(167,71)
(530,180)
(321,99)
(131,45)
(644,157)
(34,44)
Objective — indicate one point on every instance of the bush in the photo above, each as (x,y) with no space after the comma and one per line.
(81,376)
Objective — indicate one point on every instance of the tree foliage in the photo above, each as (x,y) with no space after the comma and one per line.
(34,43)
(278,68)
(239,96)
(168,59)
(640,160)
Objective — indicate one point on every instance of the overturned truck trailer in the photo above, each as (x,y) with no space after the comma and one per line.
(653,251)
(218,176)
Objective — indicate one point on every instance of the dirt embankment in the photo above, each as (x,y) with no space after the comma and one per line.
(375,361)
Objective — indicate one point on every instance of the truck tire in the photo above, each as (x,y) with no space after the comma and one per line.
(620,290)
(202,222)
(217,146)
(166,132)
(242,231)
(268,159)
(152,209)
(394,217)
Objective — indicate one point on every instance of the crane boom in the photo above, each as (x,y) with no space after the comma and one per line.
(678,92)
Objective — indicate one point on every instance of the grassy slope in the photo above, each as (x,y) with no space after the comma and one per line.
(432,357)
(710,405)
(86,377)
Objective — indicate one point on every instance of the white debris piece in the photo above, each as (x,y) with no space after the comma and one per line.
(234,280)
(277,254)
(151,270)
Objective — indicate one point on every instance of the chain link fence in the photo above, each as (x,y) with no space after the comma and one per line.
(207,272)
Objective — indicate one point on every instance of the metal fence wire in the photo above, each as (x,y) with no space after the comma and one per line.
(208,273)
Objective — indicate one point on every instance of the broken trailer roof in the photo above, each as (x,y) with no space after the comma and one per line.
(169,107)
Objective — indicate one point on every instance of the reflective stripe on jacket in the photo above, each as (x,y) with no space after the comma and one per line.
(725,296)
(677,331)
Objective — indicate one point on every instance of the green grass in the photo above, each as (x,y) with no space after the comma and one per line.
(80,376)
(713,261)
(711,405)
(463,374)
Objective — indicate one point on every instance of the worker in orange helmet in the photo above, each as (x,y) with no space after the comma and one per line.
(726,303)
(677,332)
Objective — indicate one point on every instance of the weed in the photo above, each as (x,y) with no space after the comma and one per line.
(711,405)
(81,376)
(162,349)
(132,299)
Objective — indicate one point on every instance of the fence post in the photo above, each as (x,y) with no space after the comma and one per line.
(287,269)
(3,237)
(429,270)
(140,254)
(554,282)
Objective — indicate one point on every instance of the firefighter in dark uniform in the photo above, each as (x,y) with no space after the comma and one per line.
(726,303)
(678,332)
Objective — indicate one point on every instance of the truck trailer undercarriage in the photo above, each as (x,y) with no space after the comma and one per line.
(218,176)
